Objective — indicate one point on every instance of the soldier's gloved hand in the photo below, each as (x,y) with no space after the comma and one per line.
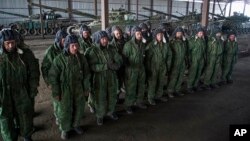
(109,63)
(112,65)
(58,98)
(86,93)
(50,87)
(33,93)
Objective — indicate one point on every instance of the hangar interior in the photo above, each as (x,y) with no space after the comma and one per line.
(202,116)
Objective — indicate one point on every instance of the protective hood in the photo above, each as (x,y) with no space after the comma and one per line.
(148,23)
(60,34)
(5,35)
(129,28)
(98,35)
(231,33)
(215,31)
(114,28)
(135,29)
(199,30)
(69,40)
(179,29)
(84,28)
(143,26)
(159,30)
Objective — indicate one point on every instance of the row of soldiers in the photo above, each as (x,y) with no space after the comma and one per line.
(97,66)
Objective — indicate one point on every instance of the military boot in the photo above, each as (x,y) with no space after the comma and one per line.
(64,135)
(78,130)
(99,121)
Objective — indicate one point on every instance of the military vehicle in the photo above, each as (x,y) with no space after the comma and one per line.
(76,12)
(238,23)
(51,23)
(120,17)
(189,22)
(31,25)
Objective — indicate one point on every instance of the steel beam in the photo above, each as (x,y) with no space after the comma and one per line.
(205,12)
(137,9)
(29,7)
(70,9)
(170,5)
(129,6)
(105,14)
(151,6)
(41,19)
(213,9)
(95,7)
(230,8)
(187,8)
(193,5)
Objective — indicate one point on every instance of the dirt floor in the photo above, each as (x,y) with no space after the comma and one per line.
(202,116)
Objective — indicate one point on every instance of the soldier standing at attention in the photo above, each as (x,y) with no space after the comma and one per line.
(134,52)
(17,88)
(230,56)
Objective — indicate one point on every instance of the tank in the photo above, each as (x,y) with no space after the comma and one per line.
(237,23)
(119,17)
(188,22)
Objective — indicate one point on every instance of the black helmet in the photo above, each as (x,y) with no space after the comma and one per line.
(135,29)
(6,35)
(84,28)
(143,26)
(60,34)
(69,40)
(98,35)
(178,29)
(156,31)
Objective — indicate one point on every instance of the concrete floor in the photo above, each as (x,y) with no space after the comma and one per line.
(202,116)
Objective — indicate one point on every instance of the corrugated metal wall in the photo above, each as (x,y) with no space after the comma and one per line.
(21,7)
(13,6)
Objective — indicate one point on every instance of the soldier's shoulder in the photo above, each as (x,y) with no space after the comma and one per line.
(128,43)
(82,57)
(191,38)
(2,58)
(25,52)
(59,56)
(24,46)
(90,49)
(151,43)
(172,41)
(112,47)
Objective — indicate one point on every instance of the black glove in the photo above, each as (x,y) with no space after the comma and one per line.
(112,65)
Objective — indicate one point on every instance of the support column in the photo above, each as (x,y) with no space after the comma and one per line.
(129,6)
(95,7)
(244,10)
(41,19)
(151,7)
(193,5)
(137,9)
(230,8)
(29,7)
(205,11)
(104,15)
(222,13)
(70,9)
(187,8)
(213,9)
(170,5)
